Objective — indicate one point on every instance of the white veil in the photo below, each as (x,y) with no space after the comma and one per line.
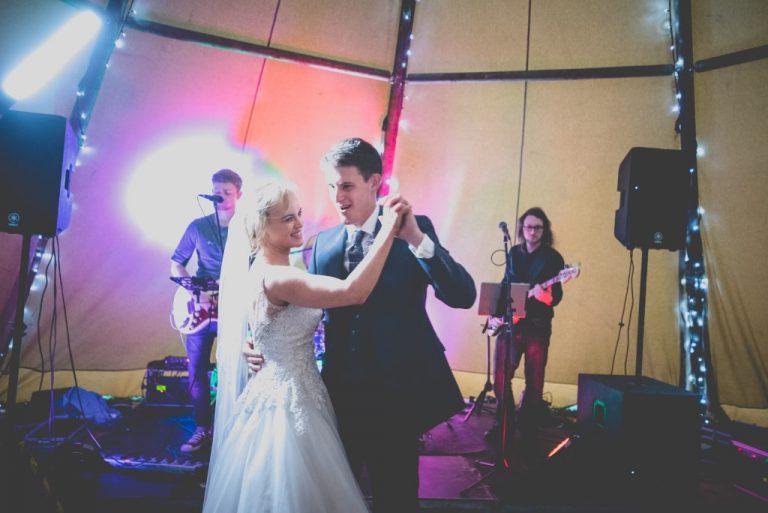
(235,297)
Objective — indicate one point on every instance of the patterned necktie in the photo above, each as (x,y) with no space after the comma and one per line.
(356,253)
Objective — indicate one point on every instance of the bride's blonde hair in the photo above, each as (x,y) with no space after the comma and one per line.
(258,204)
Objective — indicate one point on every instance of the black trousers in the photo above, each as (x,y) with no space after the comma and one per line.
(380,440)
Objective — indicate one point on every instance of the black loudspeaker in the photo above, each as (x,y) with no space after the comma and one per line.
(643,431)
(37,158)
(653,207)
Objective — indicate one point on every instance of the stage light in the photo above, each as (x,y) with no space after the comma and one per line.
(45,62)
(564,444)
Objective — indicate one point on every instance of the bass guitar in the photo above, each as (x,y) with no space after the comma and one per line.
(569,272)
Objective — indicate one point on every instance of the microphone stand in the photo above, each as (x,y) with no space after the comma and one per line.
(218,226)
(506,402)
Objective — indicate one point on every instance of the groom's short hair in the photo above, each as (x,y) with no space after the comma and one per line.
(353,152)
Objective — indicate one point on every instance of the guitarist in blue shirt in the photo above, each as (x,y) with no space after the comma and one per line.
(205,237)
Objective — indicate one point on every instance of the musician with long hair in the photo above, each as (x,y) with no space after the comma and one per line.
(534,260)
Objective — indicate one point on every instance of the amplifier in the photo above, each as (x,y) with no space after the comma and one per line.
(166,382)
(643,429)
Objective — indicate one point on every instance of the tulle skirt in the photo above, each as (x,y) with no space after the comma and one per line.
(262,463)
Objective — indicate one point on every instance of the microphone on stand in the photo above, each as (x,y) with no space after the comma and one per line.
(505,230)
(212,197)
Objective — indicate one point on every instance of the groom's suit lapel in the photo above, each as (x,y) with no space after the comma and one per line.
(333,250)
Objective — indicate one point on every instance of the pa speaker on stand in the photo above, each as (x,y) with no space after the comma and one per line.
(655,187)
(37,158)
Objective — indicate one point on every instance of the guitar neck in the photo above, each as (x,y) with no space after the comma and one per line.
(547,283)
(551,282)
(569,272)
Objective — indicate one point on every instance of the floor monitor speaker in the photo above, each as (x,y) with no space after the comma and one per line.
(644,430)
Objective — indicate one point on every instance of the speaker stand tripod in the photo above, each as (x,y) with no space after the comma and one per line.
(16,484)
(18,325)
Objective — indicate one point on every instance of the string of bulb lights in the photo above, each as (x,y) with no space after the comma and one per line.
(693,306)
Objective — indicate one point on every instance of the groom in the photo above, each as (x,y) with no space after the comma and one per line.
(382,355)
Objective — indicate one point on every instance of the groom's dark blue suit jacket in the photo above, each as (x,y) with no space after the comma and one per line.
(389,342)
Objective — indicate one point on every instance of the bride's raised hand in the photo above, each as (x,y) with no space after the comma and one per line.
(394,210)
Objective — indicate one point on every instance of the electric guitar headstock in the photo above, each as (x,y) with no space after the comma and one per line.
(569,272)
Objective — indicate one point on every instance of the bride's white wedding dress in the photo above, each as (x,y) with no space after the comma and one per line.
(279,450)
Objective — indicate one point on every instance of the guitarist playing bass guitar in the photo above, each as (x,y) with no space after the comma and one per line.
(536,262)
(205,238)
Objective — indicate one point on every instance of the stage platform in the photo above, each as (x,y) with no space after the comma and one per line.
(134,465)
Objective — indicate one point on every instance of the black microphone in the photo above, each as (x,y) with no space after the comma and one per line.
(505,230)
(212,197)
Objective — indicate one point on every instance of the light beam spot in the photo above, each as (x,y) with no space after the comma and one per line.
(160,195)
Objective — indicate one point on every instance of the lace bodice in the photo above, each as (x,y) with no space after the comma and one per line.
(284,335)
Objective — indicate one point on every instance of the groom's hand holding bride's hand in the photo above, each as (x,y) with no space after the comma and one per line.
(254,360)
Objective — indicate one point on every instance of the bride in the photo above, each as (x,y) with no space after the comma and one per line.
(275,445)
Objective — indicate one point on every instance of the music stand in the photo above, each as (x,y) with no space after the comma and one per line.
(488,306)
